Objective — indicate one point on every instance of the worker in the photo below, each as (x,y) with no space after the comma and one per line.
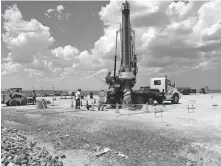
(34,95)
(135,59)
(101,100)
(109,80)
(127,96)
(78,95)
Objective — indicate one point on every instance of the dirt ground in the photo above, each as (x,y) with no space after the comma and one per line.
(177,138)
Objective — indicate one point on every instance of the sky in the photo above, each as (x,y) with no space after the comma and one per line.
(65,44)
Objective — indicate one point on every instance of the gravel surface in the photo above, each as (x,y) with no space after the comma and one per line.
(105,143)
(16,150)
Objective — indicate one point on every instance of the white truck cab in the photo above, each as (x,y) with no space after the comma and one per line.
(164,86)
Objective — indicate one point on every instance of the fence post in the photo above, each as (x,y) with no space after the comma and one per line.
(72,103)
(117,108)
(92,106)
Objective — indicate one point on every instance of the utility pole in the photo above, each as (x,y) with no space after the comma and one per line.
(53,95)
(42,91)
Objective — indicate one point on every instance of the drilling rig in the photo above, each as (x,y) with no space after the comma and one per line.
(123,83)
(126,79)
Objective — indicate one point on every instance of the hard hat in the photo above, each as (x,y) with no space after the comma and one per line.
(102,89)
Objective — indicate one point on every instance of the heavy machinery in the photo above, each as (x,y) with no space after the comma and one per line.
(126,79)
(204,90)
(123,83)
(14,97)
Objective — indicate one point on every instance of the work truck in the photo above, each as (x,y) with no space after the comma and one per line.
(163,90)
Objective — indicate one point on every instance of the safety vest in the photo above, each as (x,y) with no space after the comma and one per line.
(102,96)
(78,95)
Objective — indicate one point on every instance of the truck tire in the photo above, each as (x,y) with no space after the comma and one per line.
(24,101)
(175,99)
(12,102)
(18,103)
(150,101)
(139,100)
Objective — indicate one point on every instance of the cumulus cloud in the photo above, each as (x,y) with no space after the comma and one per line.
(58,12)
(24,38)
(169,36)
(10,67)
(64,56)
(28,42)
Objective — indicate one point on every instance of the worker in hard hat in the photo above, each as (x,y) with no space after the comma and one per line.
(34,95)
(109,79)
(78,96)
(101,100)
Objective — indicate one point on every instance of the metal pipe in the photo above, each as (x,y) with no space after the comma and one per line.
(134,40)
(115,59)
(166,84)
(121,38)
(126,34)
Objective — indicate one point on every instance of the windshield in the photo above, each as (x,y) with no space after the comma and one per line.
(168,82)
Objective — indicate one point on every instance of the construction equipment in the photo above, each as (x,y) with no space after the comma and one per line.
(14,97)
(123,83)
(126,79)
(204,90)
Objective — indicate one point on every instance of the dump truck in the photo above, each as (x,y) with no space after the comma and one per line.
(14,97)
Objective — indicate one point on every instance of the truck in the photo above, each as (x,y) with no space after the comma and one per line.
(169,90)
(160,90)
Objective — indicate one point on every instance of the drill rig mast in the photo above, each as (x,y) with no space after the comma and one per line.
(126,79)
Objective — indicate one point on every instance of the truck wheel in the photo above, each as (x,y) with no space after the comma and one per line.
(24,101)
(13,103)
(150,101)
(18,103)
(139,100)
(175,99)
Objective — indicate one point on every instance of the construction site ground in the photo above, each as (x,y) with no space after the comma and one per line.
(130,137)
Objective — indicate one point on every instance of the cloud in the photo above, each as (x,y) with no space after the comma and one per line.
(10,67)
(64,56)
(28,43)
(169,36)
(25,39)
(60,8)
(58,12)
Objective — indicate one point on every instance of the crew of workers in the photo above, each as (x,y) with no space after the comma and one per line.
(101,99)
